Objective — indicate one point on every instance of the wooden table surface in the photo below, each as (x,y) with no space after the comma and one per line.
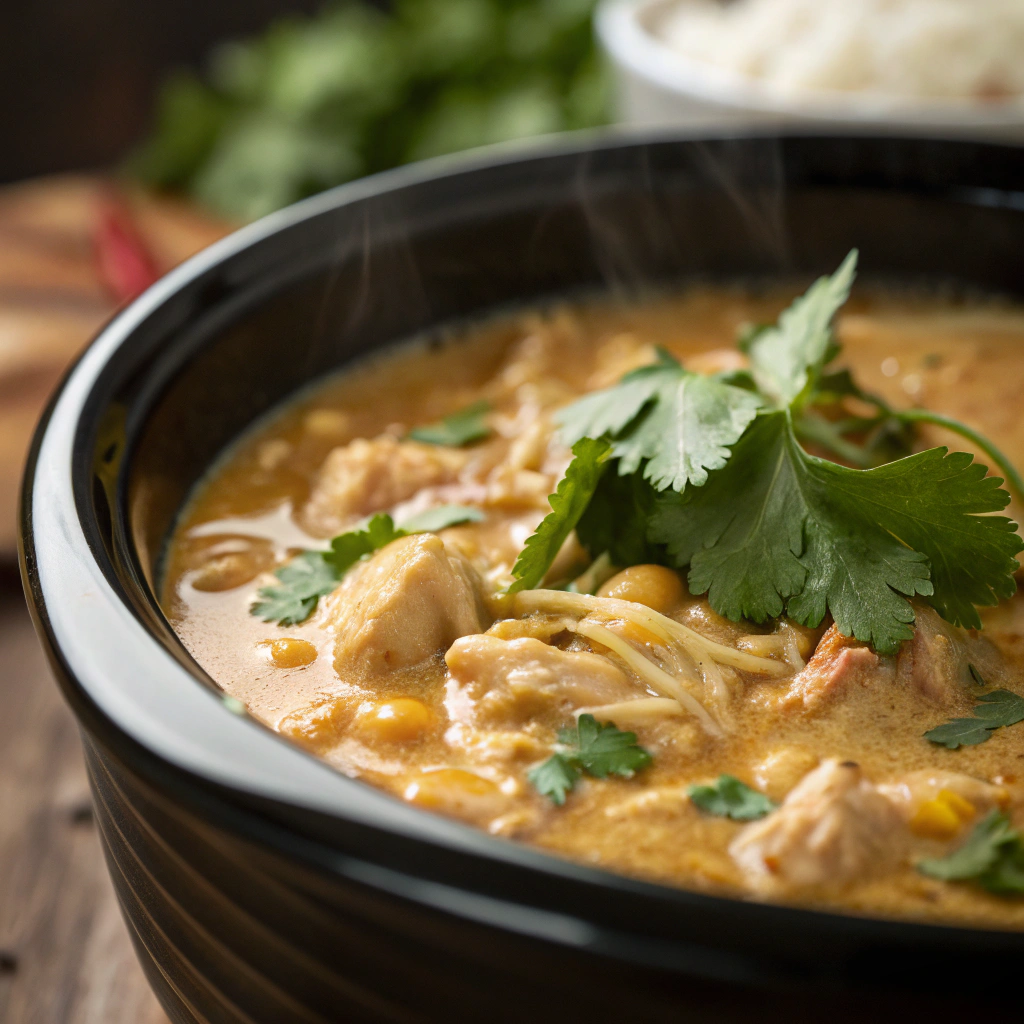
(65,955)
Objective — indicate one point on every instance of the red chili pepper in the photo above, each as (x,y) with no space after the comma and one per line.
(124,262)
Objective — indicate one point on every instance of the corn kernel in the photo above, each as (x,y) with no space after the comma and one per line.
(290,652)
(457,792)
(959,805)
(942,816)
(395,721)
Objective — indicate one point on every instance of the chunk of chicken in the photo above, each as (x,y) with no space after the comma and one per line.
(917,788)
(506,683)
(407,603)
(835,826)
(838,663)
(371,476)
(935,662)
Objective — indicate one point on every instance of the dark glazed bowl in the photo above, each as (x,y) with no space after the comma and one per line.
(258,884)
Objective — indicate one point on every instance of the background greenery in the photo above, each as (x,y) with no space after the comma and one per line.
(317,101)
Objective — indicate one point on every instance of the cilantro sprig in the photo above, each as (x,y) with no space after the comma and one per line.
(710,474)
(728,797)
(568,503)
(992,856)
(302,582)
(675,424)
(780,530)
(310,575)
(457,430)
(593,748)
(1000,708)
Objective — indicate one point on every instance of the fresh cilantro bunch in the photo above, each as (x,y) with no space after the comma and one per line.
(710,474)
(992,857)
(316,101)
(595,748)
(310,575)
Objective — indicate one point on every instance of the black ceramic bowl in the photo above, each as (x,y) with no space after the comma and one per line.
(258,884)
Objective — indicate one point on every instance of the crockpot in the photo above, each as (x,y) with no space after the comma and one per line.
(258,884)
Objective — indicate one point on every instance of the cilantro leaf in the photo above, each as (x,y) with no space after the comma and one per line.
(616,520)
(348,548)
(788,357)
(960,732)
(554,777)
(596,748)
(311,575)
(992,856)
(728,797)
(440,518)
(778,529)
(676,424)
(568,503)
(303,581)
(603,750)
(461,428)
(999,708)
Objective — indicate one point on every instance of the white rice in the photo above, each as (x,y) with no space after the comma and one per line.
(941,49)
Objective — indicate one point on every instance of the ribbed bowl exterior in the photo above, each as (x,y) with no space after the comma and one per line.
(228,930)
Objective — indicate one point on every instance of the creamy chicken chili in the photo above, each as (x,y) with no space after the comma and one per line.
(604,710)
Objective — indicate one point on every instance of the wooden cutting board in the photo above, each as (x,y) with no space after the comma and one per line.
(54,294)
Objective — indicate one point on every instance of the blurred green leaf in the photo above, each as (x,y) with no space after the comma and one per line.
(313,102)
(189,120)
(263,162)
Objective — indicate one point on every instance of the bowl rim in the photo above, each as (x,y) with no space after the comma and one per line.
(632,46)
(139,697)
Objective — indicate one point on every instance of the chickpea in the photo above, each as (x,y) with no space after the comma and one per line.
(290,652)
(653,585)
(457,792)
(327,423)
(782,769)
(225,572)
(395,721)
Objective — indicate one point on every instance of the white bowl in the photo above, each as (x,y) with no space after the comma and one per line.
(656,84)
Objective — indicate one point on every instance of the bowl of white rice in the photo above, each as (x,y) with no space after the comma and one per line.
(943,67)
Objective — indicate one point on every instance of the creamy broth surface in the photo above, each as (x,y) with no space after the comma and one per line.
(435,732)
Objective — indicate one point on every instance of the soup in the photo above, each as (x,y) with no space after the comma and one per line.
(605,710)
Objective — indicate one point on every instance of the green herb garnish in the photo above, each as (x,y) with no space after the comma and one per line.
(455,431)
(710,474)
(568,503)
(1000,708)
(303,581)
(992,856)
(434,520)
(317,100)
(675,424)
(595,748)
(729,798)
(780,530)
(311,575)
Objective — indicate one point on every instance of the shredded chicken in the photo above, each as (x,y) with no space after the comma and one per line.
(935,662)
(372,476)
(506,683)
(837,664)
(915,789)
(405,604)
(835,826)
